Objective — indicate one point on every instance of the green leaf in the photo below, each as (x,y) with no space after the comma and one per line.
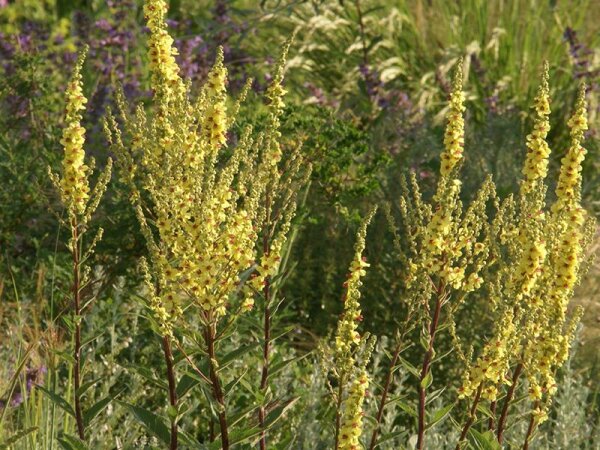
(85,386)
(389,436)
(275,414)
(153,423)
(68,442)
(424,341)
(408,366)
(238,416)
(276,368)
(440,414)
(236,437)
(97,408)
(235,355)
(91,339)
(227,389)
(186,383)
(66,356)
(426,382)
(485,441)
(484,410)
(148,375)
(57,400)
(188,440)
(434,395)
(407,408)
(8,443)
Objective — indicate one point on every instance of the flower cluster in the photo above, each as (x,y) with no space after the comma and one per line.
(215,119)
(454,138)
(347,337)
(553,331)
(199,205)
(74,182)
(569,181)
(545,251)
(449,240)
(352,416)
(162,52)
(538,150)
(490,370)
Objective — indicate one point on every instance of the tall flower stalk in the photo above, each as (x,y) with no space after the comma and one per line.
(534,284)
(80,204)
(352,352)
(202,205)
(283,178)
(452,251)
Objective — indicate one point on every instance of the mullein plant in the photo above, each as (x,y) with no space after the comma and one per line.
(80,202)
(282,178)
(351,353)
(446,252)
(543,252)
(215,219)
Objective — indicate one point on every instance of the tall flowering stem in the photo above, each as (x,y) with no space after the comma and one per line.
(80,204)
(350,363)
(487,375)
(202,204)
(542,249)
(571,233)
(438,248)
(279,208)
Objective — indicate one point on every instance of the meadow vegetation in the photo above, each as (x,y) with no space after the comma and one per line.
(299,224)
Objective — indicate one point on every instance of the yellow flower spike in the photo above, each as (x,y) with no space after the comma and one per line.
(347,336)
(352,416)
(215,124)
(74,182)
(454,137)
(493,363)
(538,150)
(274,94)
(165,78)
(569,181)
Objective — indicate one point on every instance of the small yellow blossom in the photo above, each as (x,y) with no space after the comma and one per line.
(215,124)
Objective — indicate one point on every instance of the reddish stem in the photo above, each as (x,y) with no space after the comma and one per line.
(216,385)
(530,428)
(509,397)
(267,326)
(491,423)
(77,345)
(426,367)
(471,417)
(384,394)
(172,388)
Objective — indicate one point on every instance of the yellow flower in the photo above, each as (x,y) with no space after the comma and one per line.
(74,181)
(164,69)
(569,180)
(352,414)
(536,162)
(347,337)
(454,137)
(215,124)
